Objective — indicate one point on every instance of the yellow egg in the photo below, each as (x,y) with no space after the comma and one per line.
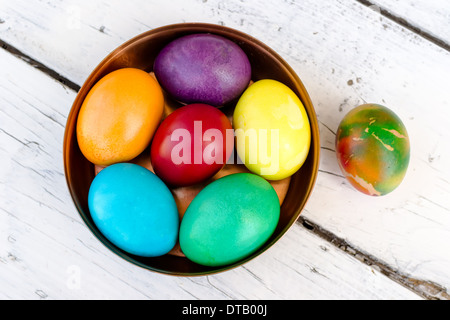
(119,116)
(273,133)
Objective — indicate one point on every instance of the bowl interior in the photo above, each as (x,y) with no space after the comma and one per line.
(141,52)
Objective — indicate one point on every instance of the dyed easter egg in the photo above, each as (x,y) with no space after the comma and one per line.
(203,68)
(119,116)
(191,145)
(273,133)
(229,220)
(373,149)
(134,210)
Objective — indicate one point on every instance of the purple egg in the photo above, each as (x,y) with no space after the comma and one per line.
(203,68)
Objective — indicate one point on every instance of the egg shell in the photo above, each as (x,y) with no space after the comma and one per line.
(119,116)
(134,210)
(373,149)
(191,145)
(229,220)
(273,132)
(203,68)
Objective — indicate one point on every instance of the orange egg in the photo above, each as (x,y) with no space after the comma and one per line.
(119,116)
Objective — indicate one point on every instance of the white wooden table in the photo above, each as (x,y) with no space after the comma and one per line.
(345,246)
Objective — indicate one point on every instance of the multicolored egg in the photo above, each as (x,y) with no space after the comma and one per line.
(119,116)
(273,132)
(373,149)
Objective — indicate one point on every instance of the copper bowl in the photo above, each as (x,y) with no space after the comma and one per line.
(141,52)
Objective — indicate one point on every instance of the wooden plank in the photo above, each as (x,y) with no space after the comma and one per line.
(430,17)
(346,54)
(46,251)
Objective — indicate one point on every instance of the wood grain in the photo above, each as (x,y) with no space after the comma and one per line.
(345,53)
(427,17)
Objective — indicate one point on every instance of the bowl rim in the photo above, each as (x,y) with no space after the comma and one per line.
(193,28)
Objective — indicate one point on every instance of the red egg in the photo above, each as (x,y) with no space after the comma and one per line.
(191,145)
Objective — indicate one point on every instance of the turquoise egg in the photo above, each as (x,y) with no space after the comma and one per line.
(134,210)
(229,220)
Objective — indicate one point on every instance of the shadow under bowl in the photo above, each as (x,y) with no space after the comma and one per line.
(140,52)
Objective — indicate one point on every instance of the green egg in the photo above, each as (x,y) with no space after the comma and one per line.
(229,220)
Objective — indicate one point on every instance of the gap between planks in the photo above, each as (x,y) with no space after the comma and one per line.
(38,65)
(405,24)
(426,289)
